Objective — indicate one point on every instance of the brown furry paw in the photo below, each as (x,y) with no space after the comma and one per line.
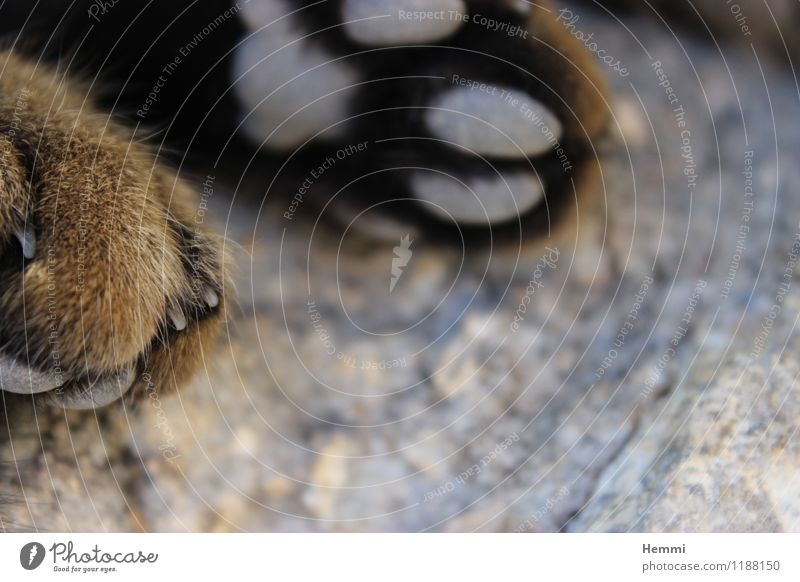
(109,284)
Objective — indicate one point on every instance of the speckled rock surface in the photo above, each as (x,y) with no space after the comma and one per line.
(721,459)
(644,386)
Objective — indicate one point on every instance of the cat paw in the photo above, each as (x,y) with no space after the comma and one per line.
(466,112)
(109,283)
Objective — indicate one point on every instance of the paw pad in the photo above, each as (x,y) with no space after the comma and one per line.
(468,125)
(396,22)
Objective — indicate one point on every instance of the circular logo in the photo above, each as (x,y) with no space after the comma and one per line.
(31,555)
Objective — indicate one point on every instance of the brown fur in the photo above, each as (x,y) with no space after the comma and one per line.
(117,239)
(574,74)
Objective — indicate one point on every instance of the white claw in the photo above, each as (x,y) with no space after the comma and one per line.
(391,22)
(211,297)
(494,121)
(27,240)
(177,317)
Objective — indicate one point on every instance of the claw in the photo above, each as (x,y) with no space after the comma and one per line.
(20,379)
(177,318)
(27,240)
(211,297)
(101,392)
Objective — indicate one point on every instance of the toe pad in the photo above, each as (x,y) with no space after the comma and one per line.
(498,122)
(399,22)
(478,201)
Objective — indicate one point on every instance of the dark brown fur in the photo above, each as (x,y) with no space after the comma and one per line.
(118,243)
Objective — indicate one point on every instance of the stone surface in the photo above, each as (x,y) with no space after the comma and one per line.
(719,459)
